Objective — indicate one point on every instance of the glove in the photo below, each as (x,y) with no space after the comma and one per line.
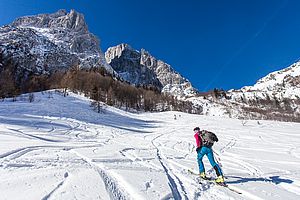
(198,149)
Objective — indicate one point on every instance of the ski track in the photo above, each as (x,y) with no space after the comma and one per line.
(228,146)
(48,133)
(177,191)
(22,151)
(65,134)
(18,152)
(112,187)
(293,150)
(139,160)
(252,170)
(66,175)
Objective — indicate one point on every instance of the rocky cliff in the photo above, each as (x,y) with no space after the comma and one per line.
(140,68)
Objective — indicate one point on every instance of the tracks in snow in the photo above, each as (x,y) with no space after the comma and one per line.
(112,187)
(175,184)
(57,187)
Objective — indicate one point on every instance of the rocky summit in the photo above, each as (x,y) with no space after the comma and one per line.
(141,68)
(44,43)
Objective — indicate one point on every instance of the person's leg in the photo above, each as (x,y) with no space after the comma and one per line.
(213,163)
(200,155)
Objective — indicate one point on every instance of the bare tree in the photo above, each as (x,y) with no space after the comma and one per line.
(31,97)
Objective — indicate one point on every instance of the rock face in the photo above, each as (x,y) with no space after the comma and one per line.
(45,43)
(126,62)
(140,68)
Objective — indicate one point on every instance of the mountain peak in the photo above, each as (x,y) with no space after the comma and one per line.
(124,46)
(121,47)
(41,44)
(118,51)
(141,68)
(126,61)
(60,19)
(279,82)
(60,12)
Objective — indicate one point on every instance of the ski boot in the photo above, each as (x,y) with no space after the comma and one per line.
(203,176)
(220,181)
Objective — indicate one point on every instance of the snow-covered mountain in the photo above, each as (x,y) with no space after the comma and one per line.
(282,84)
(44,43)
(275,96)
(48,150)
(140,68)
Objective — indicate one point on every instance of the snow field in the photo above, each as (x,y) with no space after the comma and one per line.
(58,148)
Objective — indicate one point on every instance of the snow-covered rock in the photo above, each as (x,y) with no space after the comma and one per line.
(44,43)
(126,62)
(280,85)
(140,68)
(275,96)
(283,83)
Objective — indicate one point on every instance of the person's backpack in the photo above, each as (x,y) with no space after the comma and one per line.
(208,138)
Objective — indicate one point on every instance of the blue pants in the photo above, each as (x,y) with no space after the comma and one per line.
(209,153)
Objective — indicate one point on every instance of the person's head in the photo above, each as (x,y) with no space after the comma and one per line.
(197,129)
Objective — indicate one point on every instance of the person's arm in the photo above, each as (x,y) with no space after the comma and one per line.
(196,136)
(198,142)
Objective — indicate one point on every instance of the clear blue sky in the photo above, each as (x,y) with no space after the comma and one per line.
(213,43)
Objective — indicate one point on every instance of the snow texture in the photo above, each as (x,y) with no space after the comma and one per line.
(58,148)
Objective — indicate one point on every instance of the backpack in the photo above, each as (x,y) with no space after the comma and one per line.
(208,138)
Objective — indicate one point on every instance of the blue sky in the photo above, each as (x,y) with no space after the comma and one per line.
(213,43)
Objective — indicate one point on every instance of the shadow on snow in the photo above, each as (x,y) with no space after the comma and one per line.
(36,115)
(272,179)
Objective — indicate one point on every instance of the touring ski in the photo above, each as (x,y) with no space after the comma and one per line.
(212,181)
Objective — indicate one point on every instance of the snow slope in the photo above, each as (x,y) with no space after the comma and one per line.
(58,148)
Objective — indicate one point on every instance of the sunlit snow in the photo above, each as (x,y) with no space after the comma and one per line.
(59,148)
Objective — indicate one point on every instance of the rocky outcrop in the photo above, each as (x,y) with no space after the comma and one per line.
(140,68)
(126,62)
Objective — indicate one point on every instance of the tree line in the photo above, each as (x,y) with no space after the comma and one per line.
(267,108)
(96,84)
